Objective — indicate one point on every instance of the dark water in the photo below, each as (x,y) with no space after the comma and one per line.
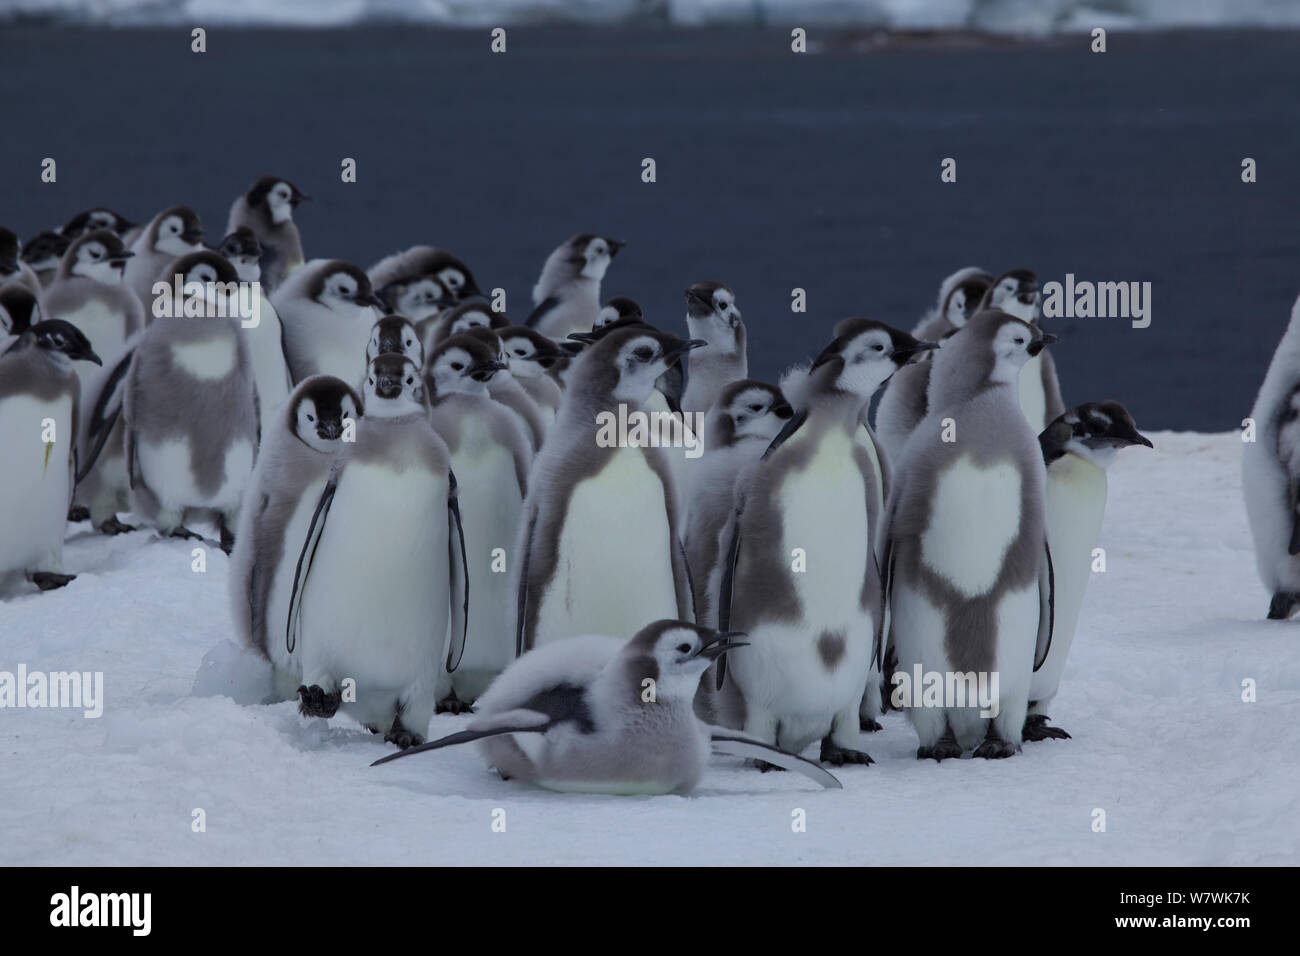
(774,170)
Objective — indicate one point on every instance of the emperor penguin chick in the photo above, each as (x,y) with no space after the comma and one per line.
(266,209)
(815,631)
(573,716)
(491,455)
(711,315)
(190,409)
(12,267)
(38,420)
(421,281)
(966,562)
(567,294)
(174,232)
(576,573)
(1016,293)
(385,537)
(475,314)
(293,464)
(395,335)
(959,297)
(1078,448)
(532,356)
(266,338)
(327,309)
(43,252)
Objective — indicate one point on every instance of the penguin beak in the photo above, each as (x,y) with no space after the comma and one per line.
(471,290)
(120,257)
(388,386)
(299,197)
(371,299)
(484,371)
(783,410)
(1038,344)
(681,348)
(192,236)
(1131,436)
(614,246)
(722,643)
(89,356)
(330,431)
(906,350)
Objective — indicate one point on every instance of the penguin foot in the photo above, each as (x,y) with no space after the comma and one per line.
(995,749)
(227,539)
(1283,605)
(113,526)
(404,738)
(1037,728)
(451,704)
(49,580)
(180,531)
(314,702)
(837,756)
(78,513)
(945,748)
(869,725)
(765,767)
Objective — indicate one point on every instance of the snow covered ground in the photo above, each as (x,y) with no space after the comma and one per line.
(1186,772)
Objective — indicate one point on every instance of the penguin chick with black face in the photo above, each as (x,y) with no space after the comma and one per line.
(385,537)
(395,335)
(174,232)
(327,309)
(190,407)
(573,716)
(421,281)
(43,252)
(959,297)
(12,267)
(293,464)
(491,456)
(95,219)
(575,573)
(1270,475)
(504,389)
(567,294)
(39,394)
(532,356)
(814,631)
(966,561)
(1078,448)
(711,315)
(267,210)
(266,338)
(1016,293)
(88,291)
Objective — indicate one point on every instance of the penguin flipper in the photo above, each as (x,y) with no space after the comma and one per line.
(1294,547)
(459,570)
(728,582)
(546,305)
(104,416)
(1047,608)
(520,721)
(305,556)
(521,600)
(790,427)
(728,744)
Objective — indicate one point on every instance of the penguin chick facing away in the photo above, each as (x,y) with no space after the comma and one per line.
(597,714)
(1078,448)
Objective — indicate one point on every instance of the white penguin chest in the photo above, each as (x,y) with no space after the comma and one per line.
(1076,501)
(1033,400)
(208,360)
(35,481)
(974,518)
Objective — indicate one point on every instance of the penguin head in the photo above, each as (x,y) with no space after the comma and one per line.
(1014,292)
(342,287)
(416,297)
(711,314)
(63,339)
(749,409)
(9,248)
(244,252)
(19,309)
(319,410)
(95,219)
(529,352)
(631,358)
(1095,431)
(619,307)
(277,198)
(862,356)
(455,276)
(96,255)
(963,299)
(393,387)
(44,250)
(591,255)
(463,364)
(395,334)
(176,231)
(471,315)
(675,654)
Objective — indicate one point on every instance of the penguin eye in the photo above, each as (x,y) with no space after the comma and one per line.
(1020,340)
(457,366)
(311,418)
(644,353)
(409,380)
(372,380)
(683,648)
(520,352)
(755,408)
(877,347)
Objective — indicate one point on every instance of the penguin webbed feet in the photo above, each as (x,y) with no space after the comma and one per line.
(180,531)
(1283,605)
(837,756)
(1037,728)
(945,748)
(227,538)
(451,704)
(405,739)
(869,725)
(762,766)
(994,747)
(78,513)
(314,702)
(50,580)
(113,526)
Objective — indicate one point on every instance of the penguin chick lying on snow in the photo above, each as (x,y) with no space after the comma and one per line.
(582,715)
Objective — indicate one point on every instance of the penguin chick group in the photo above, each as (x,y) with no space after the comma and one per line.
(601,535)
